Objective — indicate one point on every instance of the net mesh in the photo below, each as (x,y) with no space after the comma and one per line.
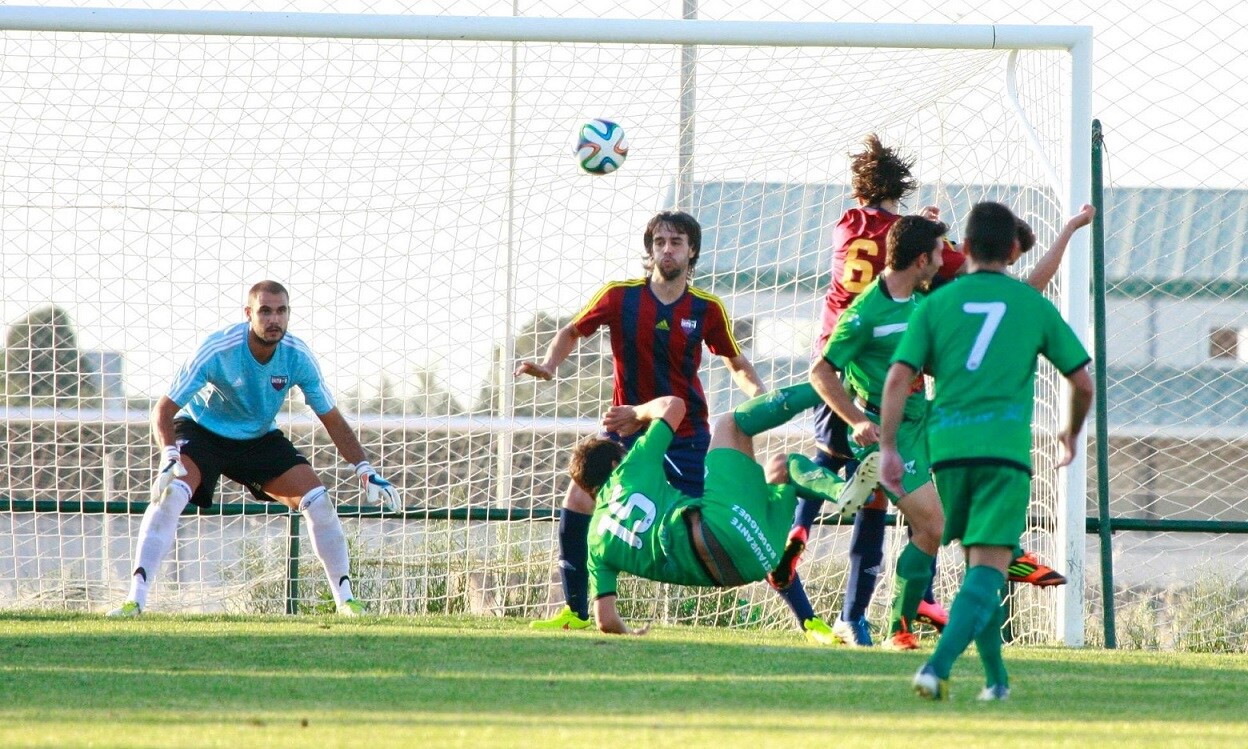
(420,200)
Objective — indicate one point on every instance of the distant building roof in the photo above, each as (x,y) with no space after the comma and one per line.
(1181,241)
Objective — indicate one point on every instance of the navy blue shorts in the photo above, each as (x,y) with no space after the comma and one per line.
(831,432)
(684,463)
(252,463)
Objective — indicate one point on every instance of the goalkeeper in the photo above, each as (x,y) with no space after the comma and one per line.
(218,419)
(732,535)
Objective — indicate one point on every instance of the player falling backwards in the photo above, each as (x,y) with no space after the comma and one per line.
(218,418)
(657,326)
(733,534)
(881,180)
(981,338)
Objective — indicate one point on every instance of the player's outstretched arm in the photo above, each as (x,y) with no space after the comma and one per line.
(1081,393)
(625,420)
(1047,266)
(896,390)
(558,350)
(609,620)
(827,383)
(171,460)
(744,375)
(376,489)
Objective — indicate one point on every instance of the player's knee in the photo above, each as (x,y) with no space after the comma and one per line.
(314,500)
(776,470)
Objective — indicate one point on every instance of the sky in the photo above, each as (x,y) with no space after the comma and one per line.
(146,185)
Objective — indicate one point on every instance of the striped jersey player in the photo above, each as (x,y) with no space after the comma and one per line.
(658,326)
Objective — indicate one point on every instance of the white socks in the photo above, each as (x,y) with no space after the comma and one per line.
(156,534)
(328,541)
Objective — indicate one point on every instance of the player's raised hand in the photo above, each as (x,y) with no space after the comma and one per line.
(535,369)
(622,420)
(171,468)
(930,212)
(1082,218)
(891,471)
(376,489)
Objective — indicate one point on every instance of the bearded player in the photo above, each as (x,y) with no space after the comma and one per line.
(218,418)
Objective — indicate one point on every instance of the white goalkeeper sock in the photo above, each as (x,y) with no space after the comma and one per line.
(156,534)
(328,541)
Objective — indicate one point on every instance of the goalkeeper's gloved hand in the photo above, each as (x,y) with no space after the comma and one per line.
(171,469)
(377,489)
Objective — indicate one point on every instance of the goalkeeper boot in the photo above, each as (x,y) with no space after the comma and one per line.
(856,633)
(351,608)
(818,631)
(929,686)
(127,610)
(565,619)
(994,693)
(1027,569)
(933,615)
(786,570)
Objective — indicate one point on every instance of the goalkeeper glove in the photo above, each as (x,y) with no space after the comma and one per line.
(377,489)
(173,469)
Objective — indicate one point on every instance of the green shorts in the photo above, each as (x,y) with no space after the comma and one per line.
(985,505)
(912,444)
(748,516)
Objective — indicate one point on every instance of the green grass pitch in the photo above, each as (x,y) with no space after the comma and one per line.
(70,680)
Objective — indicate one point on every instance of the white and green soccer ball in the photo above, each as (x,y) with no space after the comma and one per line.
(601,147)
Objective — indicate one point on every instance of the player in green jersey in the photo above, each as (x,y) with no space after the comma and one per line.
(734,534)
(980,339)
(862,346)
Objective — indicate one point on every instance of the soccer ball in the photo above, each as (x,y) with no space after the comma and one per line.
(601,147)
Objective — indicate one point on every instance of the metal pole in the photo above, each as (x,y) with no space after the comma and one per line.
(688,102)
(1102,406)
(292,563)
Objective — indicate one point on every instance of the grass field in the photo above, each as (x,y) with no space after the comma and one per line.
(75,680)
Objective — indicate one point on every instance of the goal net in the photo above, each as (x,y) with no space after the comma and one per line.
(416,191)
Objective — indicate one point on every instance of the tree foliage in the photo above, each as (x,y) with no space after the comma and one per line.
(42,362)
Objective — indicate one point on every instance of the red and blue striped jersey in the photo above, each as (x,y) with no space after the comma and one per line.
(858,256)
(658,347)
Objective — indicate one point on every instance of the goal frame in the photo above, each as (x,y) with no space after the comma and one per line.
(1076,171)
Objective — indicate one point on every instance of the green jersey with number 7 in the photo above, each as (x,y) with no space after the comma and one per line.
(984,365)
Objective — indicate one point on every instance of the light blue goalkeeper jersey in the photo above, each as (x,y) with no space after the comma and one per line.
(226,391)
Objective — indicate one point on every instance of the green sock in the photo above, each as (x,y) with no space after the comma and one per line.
(988,645)
(914,574)
(775,408)
(813,481)
(976,603)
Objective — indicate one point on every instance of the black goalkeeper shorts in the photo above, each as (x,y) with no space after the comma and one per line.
(252,463)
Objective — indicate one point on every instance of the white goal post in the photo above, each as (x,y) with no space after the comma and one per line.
(411,177)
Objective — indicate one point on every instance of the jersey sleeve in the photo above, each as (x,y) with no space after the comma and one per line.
(718,335)
(192,376)
(1061,346)
(848,338)
(602,308)
(645,458)
(603,578)
(916,343)
(312,383)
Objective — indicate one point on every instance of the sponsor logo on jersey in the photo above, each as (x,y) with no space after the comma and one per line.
(662,325)
(278,382)
(689,326)
(909,466)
